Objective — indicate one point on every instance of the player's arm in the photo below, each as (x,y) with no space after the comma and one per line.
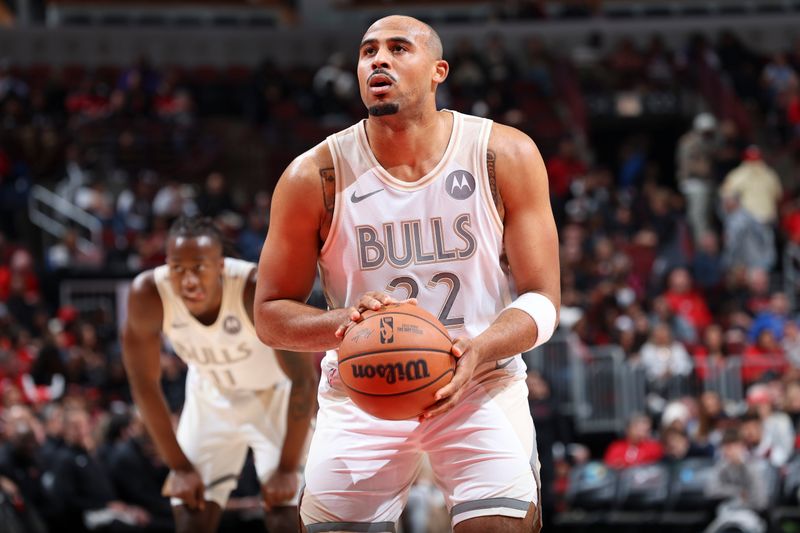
(300,369)
(141,354)
(519,181)
(302,206)
(284,483)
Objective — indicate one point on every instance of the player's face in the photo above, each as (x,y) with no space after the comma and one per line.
(395,67)
(195,271)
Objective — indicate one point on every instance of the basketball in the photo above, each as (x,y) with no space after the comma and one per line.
(394,361)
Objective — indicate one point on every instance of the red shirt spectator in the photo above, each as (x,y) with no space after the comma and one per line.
(564,167)
(762,358)
(637,448)
(683,300)
(709,357)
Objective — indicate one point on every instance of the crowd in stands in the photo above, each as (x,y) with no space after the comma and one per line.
(682,271)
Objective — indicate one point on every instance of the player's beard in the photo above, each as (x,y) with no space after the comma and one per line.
(381,110)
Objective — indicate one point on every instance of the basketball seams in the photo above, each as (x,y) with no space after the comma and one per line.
(379,314)
(392,394)
(394,350)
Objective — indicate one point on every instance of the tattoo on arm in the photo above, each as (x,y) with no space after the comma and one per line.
(491,159)
(301,398)
(328,187)
(300,405)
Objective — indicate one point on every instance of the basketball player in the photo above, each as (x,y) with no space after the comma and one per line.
(433,205)
(239,392)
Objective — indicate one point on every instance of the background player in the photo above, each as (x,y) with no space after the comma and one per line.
(239,393)
(419,200)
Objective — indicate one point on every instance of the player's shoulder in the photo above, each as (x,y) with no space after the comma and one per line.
(144,283)
(309,164)
(509,141)
(144,294)
(241,268)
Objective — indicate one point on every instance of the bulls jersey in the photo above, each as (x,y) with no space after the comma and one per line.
(438,239)
(227,353)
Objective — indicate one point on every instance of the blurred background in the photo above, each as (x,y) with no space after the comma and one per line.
(669,397)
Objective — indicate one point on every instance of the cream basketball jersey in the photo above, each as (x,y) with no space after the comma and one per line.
(438,239)
(226,353)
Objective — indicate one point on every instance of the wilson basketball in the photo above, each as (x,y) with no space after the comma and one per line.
(394,360)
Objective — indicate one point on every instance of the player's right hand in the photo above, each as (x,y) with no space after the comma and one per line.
(186,485)
(369,301)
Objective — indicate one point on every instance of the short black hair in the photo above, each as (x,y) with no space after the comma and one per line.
(196,226)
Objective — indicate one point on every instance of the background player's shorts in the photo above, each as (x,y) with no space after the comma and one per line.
(360,468)
(217,427)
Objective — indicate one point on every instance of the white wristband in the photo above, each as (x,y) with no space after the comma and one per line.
(541,310)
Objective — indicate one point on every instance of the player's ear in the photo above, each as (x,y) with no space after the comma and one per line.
(440,70)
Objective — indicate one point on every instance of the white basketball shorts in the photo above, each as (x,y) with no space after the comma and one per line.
(360,468)
(216,428)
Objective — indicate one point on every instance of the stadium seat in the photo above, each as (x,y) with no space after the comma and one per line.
(644,487)
(592,486)
(790,491)
(687,486)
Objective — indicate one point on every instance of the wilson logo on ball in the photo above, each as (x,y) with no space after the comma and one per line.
(387,330)
(410,371)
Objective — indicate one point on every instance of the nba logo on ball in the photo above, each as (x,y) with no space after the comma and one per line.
(231,325)
(387,330)
(460,184)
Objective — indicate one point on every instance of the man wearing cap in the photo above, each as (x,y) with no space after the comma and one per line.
(756,184)
(695,162)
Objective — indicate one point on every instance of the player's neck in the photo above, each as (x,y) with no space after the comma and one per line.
(409,147)
(210,316)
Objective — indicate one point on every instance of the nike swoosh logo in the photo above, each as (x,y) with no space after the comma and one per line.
(355,198)
(502,364)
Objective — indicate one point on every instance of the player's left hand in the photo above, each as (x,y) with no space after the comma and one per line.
(447,397)
(280,488)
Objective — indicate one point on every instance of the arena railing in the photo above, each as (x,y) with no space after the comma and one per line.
(600,388)
(54,215)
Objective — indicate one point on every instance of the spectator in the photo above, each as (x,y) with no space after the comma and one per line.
(777,77)
(710,356)
(680,326)
(777,437)
(544,408)
(791,407)
(685,301)
(756,185)
(20,461)
(763,359)
(637,448)
(678,447)
(564,168)
(774,318)
(712,420)
(251,239)
(46,380)
(663,359)
(707,269)
(695,158)
(138,475)
(740,482)
(748,243)
(71,252)
(82,489)
(215,198)
(791,343)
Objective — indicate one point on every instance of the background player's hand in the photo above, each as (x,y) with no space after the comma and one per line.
(279,488)
(369,301)
(447,397)
(186,485)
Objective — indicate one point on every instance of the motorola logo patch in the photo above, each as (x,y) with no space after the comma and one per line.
(460,184)
(231,325)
